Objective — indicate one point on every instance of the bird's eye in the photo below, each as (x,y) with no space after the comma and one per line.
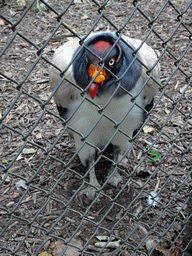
(112,62)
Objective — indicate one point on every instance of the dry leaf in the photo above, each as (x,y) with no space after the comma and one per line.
(147,129)
(177,121)
(71,251)
(21,184)
(19,157)
(10,204)
(162,247)
(153,198)
(28,151)
(7,180)
(138,210)
(184,88)
(44,254)
(52,245)
(77,1)
(113,245)
(20,108)
(29,198)
(85,17)
(9,74)
(167,111)
(2,22)
(21,3)
(8,118)
(38,136)
(43,97)
(4,161)
(15,195)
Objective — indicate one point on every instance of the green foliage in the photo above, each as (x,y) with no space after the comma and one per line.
(155,156)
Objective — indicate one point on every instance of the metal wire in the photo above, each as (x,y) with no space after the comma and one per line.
(30,224)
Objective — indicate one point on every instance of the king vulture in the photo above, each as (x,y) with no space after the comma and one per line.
(110,83)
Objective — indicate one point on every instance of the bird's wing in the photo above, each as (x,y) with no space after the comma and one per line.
(66,93)
(148,59)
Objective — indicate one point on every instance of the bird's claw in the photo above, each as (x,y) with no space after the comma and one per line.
(114,179)
(90,192)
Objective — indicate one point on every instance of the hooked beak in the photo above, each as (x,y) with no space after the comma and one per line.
(99,80)
(92,73)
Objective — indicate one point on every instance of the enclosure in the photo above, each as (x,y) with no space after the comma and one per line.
(41,212)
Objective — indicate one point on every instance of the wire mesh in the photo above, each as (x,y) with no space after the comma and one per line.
(149,213)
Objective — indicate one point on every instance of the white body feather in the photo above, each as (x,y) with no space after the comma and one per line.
(119,110)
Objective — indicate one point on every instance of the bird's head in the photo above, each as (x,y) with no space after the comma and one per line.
(104,60)
(102,50)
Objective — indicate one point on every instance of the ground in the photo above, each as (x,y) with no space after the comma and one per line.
(44,211)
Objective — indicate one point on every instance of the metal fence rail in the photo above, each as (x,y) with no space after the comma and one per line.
(149,213)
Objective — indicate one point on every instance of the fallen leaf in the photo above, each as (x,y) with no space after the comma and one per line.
(28,151)
(41,7)
(85,17)
(38,136)
(21,3)
(10,204)
(155,156)
(138,210)
(161,248)
(101,241)
(58,249)
(7,180)
(177,121)
(153,198)
(8,118)
(52,245)
(4,161)
(143,172)
(44,254)
(15,195)
(20,108)
(21,184)
(19,157)
(46,225)
(101,238)
(113,245)
(9,74)
(2,22)
(27,59)
(184,88)
(151,244)
(147,129)
(29,198)
(167,111)
(43,97)
(71,251)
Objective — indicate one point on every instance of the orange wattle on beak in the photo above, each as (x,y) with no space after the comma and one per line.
(101,76)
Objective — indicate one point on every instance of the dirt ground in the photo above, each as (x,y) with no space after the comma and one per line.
(44,213)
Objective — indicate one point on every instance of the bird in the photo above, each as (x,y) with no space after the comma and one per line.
(103,88)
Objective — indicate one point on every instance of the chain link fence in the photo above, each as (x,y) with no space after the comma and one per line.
(41,212)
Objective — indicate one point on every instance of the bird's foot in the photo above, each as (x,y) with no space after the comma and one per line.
(114,179)
(90,192)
